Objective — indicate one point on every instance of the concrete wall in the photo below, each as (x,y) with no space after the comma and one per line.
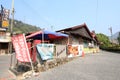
(60,51)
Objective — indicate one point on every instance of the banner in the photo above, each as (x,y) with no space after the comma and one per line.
(46,51)
(21,48)
(75,50)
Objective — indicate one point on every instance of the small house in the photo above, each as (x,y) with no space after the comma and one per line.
(80,35)
(4,41)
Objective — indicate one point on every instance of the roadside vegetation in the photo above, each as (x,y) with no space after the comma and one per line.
(105,43)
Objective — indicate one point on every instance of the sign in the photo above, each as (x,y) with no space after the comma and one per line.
(21,48)
(0,20)
(75,50)
(4,17)
(6,14)
(5,24)
(0,17)
(46,51)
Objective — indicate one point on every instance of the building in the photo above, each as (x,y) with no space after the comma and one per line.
(4,41)
(81,35)
(4,35)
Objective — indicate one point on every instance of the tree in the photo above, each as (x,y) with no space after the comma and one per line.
(104,40)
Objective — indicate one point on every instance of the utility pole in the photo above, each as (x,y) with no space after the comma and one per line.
(111,34)
(12,20)
(11,31)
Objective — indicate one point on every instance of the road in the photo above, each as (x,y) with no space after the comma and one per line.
(5,74)
(101,66)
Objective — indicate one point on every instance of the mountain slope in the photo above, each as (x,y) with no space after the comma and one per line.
(20,27)
(115,36)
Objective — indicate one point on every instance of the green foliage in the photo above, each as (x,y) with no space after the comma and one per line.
(20,27)
(112,49)
(106,45)
(104,40)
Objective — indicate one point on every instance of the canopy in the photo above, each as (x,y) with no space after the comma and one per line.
(46,35)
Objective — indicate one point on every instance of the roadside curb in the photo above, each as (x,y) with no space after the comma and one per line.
(12,73)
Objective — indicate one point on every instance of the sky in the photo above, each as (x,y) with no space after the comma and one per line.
(99,15)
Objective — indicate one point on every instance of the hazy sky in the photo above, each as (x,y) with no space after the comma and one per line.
(99,15)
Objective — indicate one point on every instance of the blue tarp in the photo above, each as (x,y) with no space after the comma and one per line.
(47,35)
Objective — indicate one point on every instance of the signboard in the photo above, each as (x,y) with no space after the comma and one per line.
(75,50)
(21,48)
(4,17)
(6,14)
(5,24)
(46,51)
(0,20)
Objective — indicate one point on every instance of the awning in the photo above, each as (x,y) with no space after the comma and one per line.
(46,35)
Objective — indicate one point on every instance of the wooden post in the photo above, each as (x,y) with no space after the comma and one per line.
(29,56)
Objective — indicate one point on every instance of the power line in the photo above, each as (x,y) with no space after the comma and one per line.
(36,12)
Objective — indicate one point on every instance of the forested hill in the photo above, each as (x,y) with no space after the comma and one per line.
(20,27)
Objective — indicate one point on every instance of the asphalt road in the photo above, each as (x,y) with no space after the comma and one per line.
(5,74)
(101,66)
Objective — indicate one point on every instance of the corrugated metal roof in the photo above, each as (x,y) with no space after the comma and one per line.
(75,28)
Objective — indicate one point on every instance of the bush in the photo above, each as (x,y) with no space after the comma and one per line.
(111,49)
